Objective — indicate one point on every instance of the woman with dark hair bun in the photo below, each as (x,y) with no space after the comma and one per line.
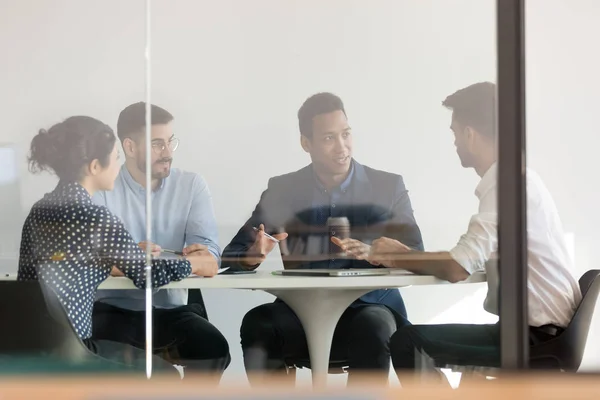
(71,244)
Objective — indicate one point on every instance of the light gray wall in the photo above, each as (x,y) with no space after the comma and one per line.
(235,72)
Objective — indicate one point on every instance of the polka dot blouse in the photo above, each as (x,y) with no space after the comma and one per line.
(71,244)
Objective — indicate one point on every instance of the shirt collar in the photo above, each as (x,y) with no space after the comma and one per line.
(344,186)
(132,182)
(488,181)
(69,188)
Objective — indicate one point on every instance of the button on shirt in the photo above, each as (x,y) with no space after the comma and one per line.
(182,214)
(553,292)
(71,244)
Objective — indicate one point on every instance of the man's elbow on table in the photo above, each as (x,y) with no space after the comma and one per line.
(455,273)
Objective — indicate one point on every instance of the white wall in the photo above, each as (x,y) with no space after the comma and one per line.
(235,72)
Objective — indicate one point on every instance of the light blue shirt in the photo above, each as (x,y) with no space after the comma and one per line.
(182,214)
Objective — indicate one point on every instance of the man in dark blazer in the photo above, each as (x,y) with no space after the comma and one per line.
(294,209)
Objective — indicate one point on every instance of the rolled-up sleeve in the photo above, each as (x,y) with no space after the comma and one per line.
(479,243)
(201,227)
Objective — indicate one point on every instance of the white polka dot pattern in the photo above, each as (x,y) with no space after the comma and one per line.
(71,244)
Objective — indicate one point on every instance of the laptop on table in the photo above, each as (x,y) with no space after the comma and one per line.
(333,272)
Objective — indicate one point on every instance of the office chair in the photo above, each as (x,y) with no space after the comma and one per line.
(37,336)
(565,351)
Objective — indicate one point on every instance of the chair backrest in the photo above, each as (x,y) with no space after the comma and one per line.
(34,323)
(566,350)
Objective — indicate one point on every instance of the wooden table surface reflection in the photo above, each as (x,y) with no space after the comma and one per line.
(553,386)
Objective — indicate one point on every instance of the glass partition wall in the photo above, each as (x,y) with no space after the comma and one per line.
(250,133)
(66,72)
(234,77)
(561,143)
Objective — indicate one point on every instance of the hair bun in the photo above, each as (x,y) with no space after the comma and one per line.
(68,146)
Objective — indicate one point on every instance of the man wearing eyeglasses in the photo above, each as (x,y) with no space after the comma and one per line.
(183,220)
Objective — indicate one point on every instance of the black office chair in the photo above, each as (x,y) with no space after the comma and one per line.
(565,351)
(36,334)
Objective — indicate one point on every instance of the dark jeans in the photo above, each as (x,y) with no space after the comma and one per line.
(272,334)
(452,344)
(181,334)
(129,357)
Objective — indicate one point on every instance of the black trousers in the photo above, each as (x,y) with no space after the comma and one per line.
(454,344)
(128,357)
(272,334)
(180,333)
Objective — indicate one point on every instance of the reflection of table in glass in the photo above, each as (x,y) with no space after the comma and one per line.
(541,386)
(318,302)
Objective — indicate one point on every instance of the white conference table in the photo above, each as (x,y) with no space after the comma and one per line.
(317,301)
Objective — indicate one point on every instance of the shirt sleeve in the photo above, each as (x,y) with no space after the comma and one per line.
(479,243)
(117,248)
(201,225)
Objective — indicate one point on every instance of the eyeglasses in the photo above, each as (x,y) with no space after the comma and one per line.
(159,147)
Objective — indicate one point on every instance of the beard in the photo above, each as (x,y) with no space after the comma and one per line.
(158,171)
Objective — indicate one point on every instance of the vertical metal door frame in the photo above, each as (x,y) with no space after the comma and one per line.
(512,196)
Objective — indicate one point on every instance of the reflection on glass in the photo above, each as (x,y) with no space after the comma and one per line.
(235,101)
(234,76)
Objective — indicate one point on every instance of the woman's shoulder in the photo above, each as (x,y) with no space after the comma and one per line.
(99,214)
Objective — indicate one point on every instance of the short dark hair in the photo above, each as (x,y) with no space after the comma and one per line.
(67,147)
(475,106)
(132,120)
(320,103)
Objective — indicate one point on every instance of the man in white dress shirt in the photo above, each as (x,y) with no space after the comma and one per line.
(553,292)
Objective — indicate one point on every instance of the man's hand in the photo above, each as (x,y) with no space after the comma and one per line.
(202,260)
(355,248)
(193,248)
(116,272)
(380,252)
(384,250)
(262,247)
(156,249)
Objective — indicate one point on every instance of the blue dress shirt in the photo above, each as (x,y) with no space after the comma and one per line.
(182,214)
